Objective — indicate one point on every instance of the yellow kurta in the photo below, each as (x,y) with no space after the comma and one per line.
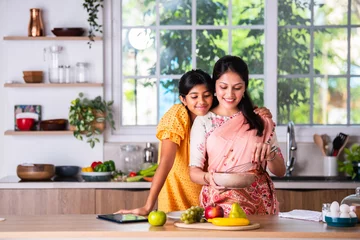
(178,192)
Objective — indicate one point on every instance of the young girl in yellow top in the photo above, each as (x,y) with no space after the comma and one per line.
(171,185)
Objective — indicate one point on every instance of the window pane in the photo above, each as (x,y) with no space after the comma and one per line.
(355,101)
(355,12)
(138,12)
(330,12)
(249,45)
(330,49)
(175,55)
(330,101)
(256,91)
(248,12)
(212,12)
(293,51)
(139,53)
(294,12)
(139,102)
(293,100)
(210,44)
(355,51)
(168,95)
(175,12)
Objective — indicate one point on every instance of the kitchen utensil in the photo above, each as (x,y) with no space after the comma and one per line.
(211,226)
(54,125)
(25,124)
(33,76)
(36,26)
(241,168)
(67,171)
(32,172)
(96,176)
(327,143)
(175,215)
(62,32)
(340,222)
(234,180)
(330,166)
(52,55)
(338,143)
(343,145)
(320,143)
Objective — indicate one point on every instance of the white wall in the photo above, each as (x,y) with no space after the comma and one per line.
(16,56)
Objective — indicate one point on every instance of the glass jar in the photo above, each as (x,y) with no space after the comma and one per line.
(82,75)
(354,200)
(67,74)
(131,158)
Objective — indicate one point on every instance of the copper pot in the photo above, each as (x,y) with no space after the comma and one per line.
(36,26)
(34,172)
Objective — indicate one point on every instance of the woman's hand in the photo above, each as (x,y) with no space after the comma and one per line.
(260,153)
(263,112)
(137,211)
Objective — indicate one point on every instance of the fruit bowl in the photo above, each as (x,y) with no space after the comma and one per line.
(340,222)
(96,176)
(234,180)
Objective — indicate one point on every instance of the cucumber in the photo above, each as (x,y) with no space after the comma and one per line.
(149,174)
(152,168)
(134,179)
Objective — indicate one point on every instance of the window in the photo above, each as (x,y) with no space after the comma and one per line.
(314,45)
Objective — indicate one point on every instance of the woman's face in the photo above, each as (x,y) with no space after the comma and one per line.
(230,89)
(198,100)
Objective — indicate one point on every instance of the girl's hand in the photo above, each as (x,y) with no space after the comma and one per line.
(260,153)
(263,112)
(137,211)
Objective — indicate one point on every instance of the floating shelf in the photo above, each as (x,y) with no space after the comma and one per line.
(50,38)
(13,132)
(52,85)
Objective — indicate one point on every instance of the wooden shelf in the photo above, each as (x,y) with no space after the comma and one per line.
(51,85)
(13,132)
(50,38)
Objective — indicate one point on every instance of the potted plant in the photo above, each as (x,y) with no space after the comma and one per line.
(88,116)
(351,165)
(92,8)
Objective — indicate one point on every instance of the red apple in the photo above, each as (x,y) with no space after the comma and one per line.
(213,211)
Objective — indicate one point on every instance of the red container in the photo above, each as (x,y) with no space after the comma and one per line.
(25,124)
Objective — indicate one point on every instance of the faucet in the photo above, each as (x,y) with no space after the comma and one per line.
(290,148)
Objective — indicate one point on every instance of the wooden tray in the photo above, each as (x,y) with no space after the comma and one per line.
(213,227)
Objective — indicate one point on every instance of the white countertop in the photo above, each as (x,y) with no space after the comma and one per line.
(13,182)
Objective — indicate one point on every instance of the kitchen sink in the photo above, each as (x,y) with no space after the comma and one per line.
(313,178)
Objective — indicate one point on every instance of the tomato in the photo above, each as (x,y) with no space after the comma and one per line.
(132,174)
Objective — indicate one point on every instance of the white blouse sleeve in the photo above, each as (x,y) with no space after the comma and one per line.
(197,143)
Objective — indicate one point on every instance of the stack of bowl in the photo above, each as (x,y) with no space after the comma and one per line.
(33,76)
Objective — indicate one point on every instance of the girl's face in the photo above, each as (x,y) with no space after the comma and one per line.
(230,89)
(198,101)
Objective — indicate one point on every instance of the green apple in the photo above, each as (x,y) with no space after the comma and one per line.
(157,218)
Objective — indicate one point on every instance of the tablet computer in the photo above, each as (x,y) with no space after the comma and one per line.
(122,218)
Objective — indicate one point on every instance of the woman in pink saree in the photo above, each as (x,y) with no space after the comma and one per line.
(231,135)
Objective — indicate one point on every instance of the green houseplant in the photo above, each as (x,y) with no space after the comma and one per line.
(352,159)
(92,8)
(88,116)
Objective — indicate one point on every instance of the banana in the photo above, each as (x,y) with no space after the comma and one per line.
(229,221)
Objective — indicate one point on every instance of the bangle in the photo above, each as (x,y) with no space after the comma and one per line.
(272,159)
(206,181)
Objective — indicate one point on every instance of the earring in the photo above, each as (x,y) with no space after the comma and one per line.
(214,94)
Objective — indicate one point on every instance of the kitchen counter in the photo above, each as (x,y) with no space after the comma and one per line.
(88,227)
(13,182)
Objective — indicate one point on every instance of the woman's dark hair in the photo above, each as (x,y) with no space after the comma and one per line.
(238,66)
(195,77)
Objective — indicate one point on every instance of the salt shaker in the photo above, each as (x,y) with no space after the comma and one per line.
(325,210)
(61,74)
(67,74)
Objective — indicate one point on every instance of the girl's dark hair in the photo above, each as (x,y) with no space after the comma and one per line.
(195,77)
(238,66)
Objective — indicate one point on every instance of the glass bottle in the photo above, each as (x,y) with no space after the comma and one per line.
(61,74)
(131,158)
(325,209)
(354,200)
(67,73)
(149,156)
(81,72)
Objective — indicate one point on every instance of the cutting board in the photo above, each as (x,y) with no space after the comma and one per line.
(214,227)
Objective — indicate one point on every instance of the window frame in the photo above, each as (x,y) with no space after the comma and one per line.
(112,88)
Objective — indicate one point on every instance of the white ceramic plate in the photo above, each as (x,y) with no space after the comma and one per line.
(175,215)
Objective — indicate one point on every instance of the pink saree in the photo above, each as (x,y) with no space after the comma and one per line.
(230,144)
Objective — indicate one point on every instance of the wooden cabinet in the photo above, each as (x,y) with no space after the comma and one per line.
(47,201)
(309,199)
(111,200)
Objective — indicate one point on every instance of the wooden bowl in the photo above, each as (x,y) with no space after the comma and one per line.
(35,172)
(33,76)
(54,125)
(62,32)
